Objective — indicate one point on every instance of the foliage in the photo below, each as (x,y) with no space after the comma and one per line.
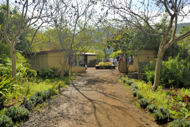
(18,114)
(134,86)
(37,98)
(143,102)
(93,63)
(139,95)
(105,64)
(115,54)
(100,54)
(23,68)
(174,72)
(5,86)
(161,115)
(134,89)
(152,107)
(5,121)
(180,123)
(49,73)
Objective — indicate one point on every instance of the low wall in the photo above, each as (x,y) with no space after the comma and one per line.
(78,69)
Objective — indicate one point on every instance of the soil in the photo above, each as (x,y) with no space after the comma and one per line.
(99,101)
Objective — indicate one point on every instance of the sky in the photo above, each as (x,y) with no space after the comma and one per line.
(99,10)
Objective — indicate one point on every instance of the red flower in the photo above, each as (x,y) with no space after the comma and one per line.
(186,96)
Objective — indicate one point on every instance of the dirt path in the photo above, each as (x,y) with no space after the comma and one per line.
(104,103)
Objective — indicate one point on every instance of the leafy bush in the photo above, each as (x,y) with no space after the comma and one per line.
(5,121)
(37,98)
(50,72)
(143,102)
(161,115)
(17,114)
(105,64)
(51,92)
(179,123)
(134,86)
(135,91)
(129,82)
(174,72)
(139,95)
(22,68)
(5,86)
(152,107)
(93,63)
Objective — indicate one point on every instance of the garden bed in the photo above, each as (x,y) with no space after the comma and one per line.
(105,67)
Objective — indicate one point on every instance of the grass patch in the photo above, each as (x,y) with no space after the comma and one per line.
(176,101)
(29,87)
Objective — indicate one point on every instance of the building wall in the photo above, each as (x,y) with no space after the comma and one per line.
(39,61)
(55,58)
(89,58)
(51,60)
(145,56)
(78,69)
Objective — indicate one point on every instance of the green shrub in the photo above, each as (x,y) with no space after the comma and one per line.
(105,63)
(179,123)
(161,115)
(93,63)
(134,91)
(152,107)
(50,72)
(45,95)
(51,92)
(174,72)
(129,82)
(37,98)
(17,114)
(5,86)
(134,86)
(28,104)
(143,102)
(139,95)
(5,121)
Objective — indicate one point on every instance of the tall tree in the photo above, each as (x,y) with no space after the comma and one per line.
(75,15)
(141,13)
(26,17)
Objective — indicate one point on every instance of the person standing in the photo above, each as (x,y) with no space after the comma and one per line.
(111,60)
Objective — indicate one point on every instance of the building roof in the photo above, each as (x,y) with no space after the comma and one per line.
(60,50)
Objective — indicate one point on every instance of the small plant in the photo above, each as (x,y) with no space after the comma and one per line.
(45,95)
(134,86)
(27,104)
(139,95)
(179,123)
(152,107)
(161,115)
(134,92)
(51,92)
(105,63)
(5,121)
(17,114)
(129,82)
(35,99)
(143,102)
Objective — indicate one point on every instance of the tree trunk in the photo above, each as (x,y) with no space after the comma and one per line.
(13,59)
(126,63)
(63,66)
(138,64)
(157,69)
(105,55)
